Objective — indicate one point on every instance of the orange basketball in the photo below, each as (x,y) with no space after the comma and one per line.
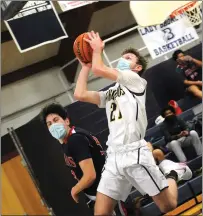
(82,49)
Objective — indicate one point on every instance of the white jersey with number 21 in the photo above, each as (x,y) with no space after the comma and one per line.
(125,109)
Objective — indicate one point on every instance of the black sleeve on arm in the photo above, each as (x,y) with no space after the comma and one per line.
(183,125)
(180,73)
(79,147)
(166,134)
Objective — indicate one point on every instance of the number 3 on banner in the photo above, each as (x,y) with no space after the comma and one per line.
(168,34)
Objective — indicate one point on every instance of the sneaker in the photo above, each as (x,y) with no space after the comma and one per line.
(183,171)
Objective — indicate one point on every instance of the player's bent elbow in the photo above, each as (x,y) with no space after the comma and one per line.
(185,82)
(79,96)
(93,177)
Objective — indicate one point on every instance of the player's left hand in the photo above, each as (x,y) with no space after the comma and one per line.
(185,133)
(199,83)
(87,65)
(75,194)
(95,41)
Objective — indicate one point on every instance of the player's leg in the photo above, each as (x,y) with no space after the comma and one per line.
(163,192)
(173,172)
(195,91)
(153,182)
(104,205)
(112,187)
(166,199)
(175,147)
(158,155)
(193,139)
(109,191)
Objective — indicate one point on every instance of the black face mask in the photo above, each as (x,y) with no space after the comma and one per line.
(171,118)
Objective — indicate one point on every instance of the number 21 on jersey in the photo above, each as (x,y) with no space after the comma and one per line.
(113,116)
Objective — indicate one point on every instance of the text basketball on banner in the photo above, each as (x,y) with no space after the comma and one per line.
(168,36)
(36,24)
(69,5)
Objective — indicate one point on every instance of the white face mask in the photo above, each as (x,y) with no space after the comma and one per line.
(123,64)
(58,131)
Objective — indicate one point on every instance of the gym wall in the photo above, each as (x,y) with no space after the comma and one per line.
(19,194)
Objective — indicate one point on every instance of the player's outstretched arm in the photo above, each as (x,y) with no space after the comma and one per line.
(98,66)
(81,93)
(197,62)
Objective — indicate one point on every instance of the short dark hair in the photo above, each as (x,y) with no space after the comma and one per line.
(53,108)
(166,109)
(176,53)
(141,60)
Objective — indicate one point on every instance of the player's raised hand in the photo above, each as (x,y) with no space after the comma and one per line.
(95,41)
(85,65)
(199,83)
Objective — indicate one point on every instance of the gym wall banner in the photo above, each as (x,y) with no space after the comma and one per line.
(168,36)
(69,5)
(35,25)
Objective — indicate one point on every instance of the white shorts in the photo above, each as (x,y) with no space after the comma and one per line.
(131,168)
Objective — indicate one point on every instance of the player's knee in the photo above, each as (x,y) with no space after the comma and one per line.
(158,154)
(170,205)
(173,143)
(193,133)
(194,90)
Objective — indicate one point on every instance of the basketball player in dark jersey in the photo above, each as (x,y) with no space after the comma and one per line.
(83,152)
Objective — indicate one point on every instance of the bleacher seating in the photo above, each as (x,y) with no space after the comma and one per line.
(196,185)
(188,102)
(195,163)
(187,115)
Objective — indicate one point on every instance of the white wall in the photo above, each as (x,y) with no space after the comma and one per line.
(21,101)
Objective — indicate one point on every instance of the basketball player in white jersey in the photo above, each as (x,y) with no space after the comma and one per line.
(129,160)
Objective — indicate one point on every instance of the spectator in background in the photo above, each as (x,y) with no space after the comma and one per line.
(158,154)
(177,134)
(191,71)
